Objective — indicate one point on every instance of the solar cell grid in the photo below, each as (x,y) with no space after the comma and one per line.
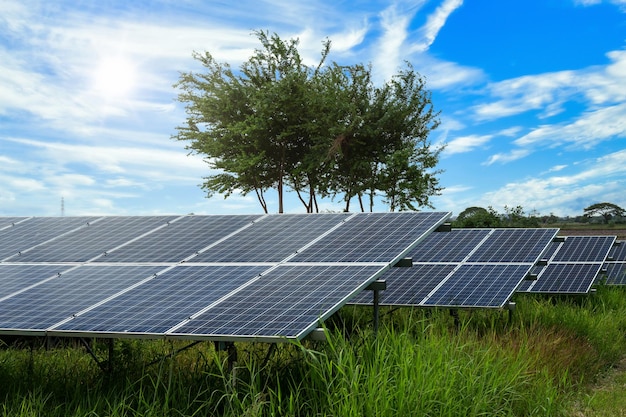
(550,250)
(371,237)
(163,302)
(615,273)
(17,277)
(179,240)
(453,246)
(408,286)
(287,302)
(566,278)
(271,239)
(584,249)
(88,242)
(513,245)
(9,221)
(618,252)
(36,230)
(57,299)
(472,285)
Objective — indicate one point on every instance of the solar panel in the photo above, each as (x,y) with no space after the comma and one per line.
(10,221)
(566,278)
(272,238)
(165,301)
(15,278)
(452,246)
(288,302)
(481,268)
(408,286)
(59,298)
(476,285)
(584,249)
(88,242)
(513,245)
(179,240)
(155,278)
(372,237)
(615,273)
(36,230)
(618,252)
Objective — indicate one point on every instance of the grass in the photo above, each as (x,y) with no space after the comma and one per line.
(553,359)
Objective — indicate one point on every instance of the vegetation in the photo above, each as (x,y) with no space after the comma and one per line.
(543,362)
(607,211)
(320,131)
(489,217)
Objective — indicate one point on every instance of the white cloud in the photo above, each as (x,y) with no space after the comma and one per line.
(586,132)
(506,157)
(466,143)
(567,195)
(435,23)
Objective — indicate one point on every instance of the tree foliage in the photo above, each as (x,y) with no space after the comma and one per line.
(489,217)
(607,211)
(321,131)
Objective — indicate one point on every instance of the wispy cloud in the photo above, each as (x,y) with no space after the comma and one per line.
(466,143)
(586,132)
(506,157)
(435,23)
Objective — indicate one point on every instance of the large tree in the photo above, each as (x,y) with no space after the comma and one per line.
(606,210)
(324,131)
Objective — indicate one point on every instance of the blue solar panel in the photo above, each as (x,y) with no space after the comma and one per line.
(165,301)
(225,277)
(479,285)
(566,278)
(57,299)
(618,252)
(372,237)
(36,230)
(513,245)
(408,286)
(179,240)
(452,246)
(86,243)
(18,277)
(615,273)
(288,302)
(272,238)
(584,249)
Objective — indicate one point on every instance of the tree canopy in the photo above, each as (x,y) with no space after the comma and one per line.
(319,131)
(489,217)
(606,210)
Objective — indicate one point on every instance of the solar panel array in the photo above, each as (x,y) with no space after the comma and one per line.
(615,264)
(219,277)
(465,268)
(573,265)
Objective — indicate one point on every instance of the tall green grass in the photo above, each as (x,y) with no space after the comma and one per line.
(419,363)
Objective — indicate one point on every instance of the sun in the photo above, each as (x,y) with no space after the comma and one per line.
(114,78)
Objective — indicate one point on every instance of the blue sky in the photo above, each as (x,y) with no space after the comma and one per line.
(532,96)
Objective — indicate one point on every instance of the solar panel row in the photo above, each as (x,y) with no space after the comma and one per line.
(573,265)
(200,277)
(479,268)
(615,264)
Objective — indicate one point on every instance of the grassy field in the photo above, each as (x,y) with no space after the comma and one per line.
(553,358)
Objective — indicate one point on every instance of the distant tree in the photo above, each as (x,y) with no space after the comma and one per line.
(517,217)
(477,217)
(319,131)
(606,210)
(489,217)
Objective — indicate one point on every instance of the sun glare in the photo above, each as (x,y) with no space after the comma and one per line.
(114,78)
